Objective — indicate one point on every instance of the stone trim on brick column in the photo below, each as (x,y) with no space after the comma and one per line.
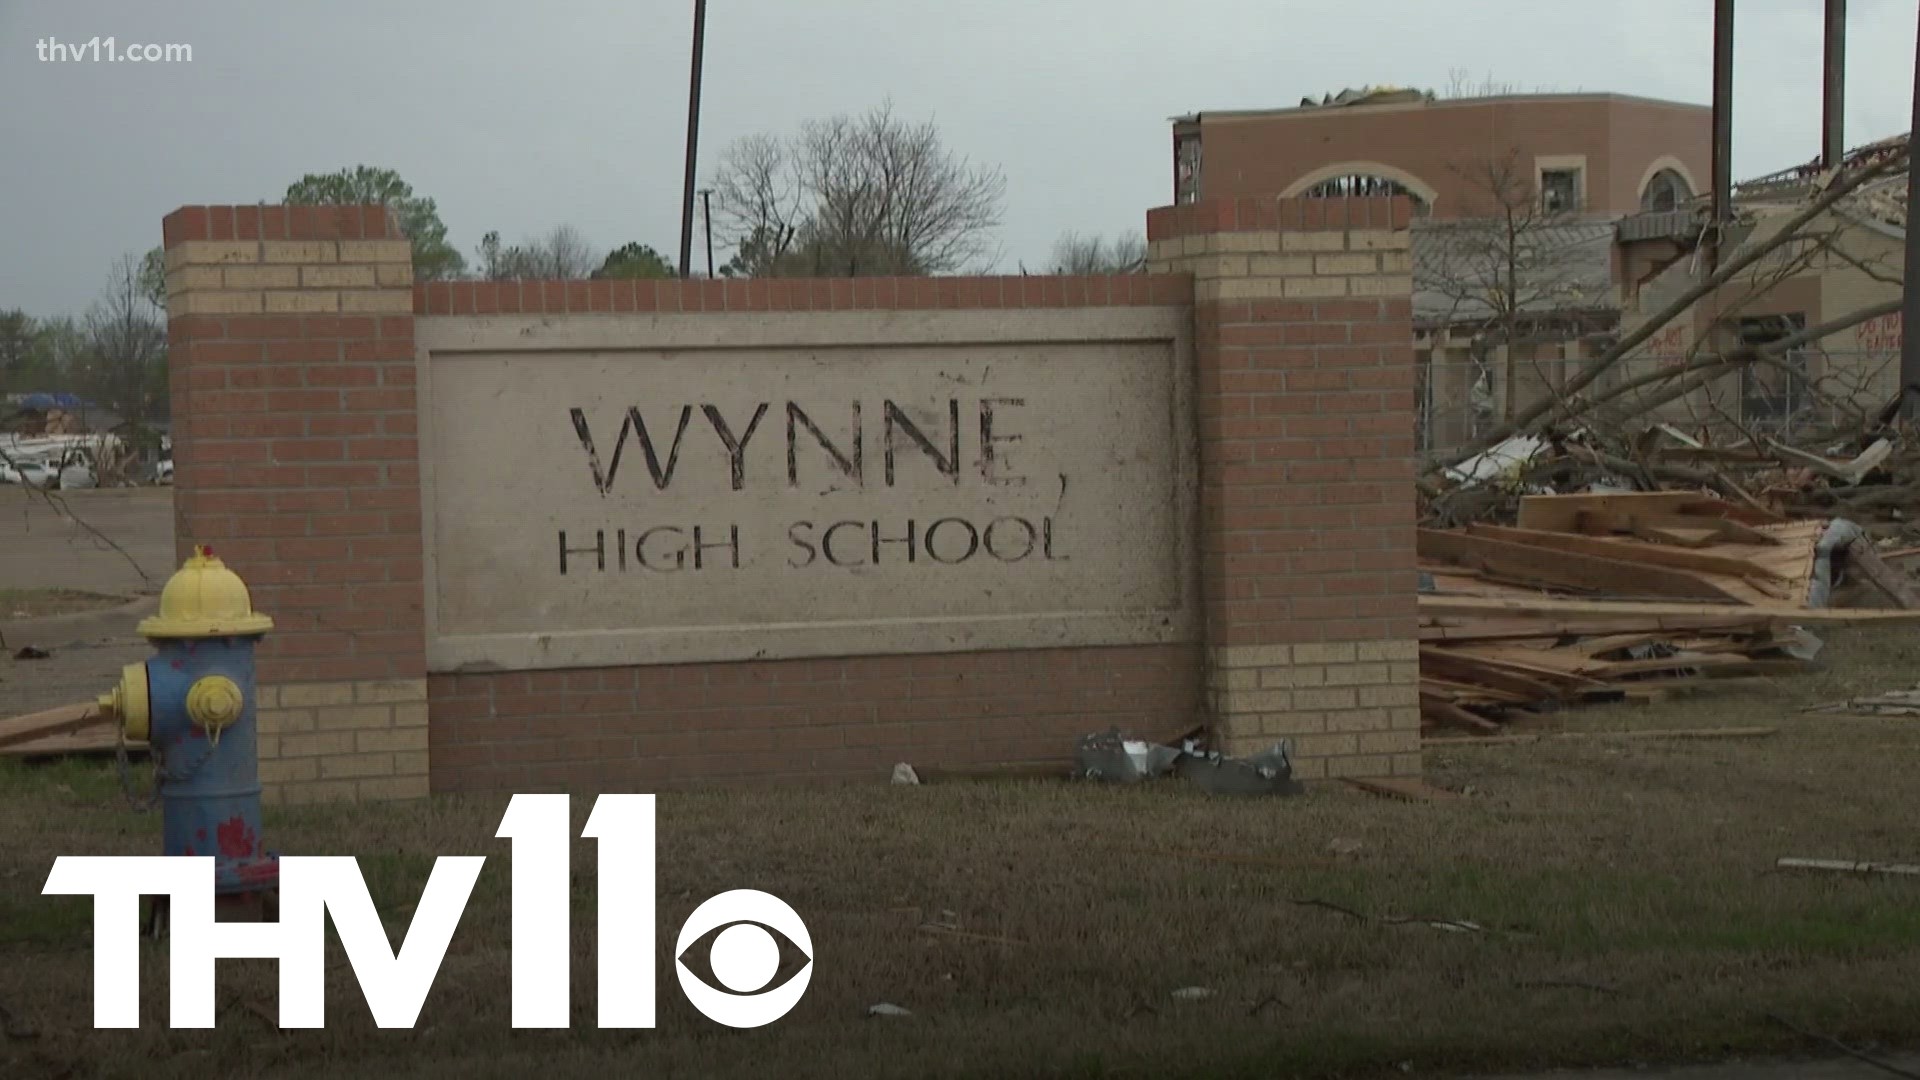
(1303,332)
(292,371)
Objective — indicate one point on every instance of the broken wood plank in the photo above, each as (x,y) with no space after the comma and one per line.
(1552,607)
(1645,733)
(56,721)
(1561,513)
(1447,713)
(1409,789)
(1467,629)
(1844,866)
(1568,570)
(1630,551)
(1463,667)
(98,739)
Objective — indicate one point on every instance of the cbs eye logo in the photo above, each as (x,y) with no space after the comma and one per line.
(744,958)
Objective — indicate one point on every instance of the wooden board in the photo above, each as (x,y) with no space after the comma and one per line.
(1408,788)
(99,739)
(1467,668)
(56,721)
(1475,628)
(1645,733)
(1561,513)
(1448,714)
(1553,607)
(1570,570)
(1632,551)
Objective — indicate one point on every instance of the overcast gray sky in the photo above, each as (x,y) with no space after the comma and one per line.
(519,116)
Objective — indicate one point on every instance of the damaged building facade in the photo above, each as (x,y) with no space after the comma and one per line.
(1844,260)
(1518,197)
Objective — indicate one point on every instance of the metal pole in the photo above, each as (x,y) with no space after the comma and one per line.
(706,212)
(693,138)
(1722,110)
(1910,297)
(1833,140)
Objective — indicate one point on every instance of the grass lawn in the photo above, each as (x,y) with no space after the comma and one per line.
(1627,891)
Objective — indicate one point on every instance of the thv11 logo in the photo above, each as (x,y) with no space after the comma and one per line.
(745,957)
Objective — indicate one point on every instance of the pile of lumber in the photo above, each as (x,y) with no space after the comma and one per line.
(69,729)
(1623,596)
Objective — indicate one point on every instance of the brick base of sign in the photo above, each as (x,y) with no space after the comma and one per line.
(647,728)
(343,741)
(1351,708)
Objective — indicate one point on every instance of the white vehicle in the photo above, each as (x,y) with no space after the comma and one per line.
(36,473)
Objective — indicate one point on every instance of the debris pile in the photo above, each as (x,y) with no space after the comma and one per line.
(1115,759)
(1629,596)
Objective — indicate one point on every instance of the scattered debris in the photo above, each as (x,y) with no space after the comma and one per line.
(1892,703)
(1344,845)
(1110,757)
(884,1009)
(1116,759)
(1630,596)
(28,652)
(1268,773)
(1194,993)
(965,935)
(903,774)
(1841,866)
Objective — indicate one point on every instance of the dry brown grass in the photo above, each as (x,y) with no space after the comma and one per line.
(1627,889)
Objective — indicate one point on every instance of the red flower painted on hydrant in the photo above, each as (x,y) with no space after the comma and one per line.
(236,840)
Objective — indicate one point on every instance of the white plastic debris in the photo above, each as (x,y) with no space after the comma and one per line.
(884,1009)
(1193,993)
(903,774)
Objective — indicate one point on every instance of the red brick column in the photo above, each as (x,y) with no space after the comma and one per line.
(1303,335)
(292,362)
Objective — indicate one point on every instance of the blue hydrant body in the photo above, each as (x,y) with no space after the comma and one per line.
(194,702)
(210,780)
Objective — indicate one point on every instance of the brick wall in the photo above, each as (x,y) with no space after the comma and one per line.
(1303,331)
(291,351)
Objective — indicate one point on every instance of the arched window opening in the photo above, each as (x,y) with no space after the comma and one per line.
(1362,185)
(1667,190)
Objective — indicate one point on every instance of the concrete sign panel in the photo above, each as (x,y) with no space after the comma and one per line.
(613,490)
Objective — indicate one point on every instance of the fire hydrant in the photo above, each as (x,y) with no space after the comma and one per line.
(193,702)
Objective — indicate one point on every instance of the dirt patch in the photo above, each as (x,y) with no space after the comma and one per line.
(40,603)
(1625,893)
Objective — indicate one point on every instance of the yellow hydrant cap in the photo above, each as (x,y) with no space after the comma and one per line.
(205,599)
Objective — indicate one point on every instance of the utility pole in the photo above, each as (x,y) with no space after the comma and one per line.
(1833,139)
(1722,124)
(1910,296)
(693,137)
(706,212)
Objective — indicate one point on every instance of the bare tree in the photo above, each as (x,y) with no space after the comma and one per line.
(1520,269)
(855,195)
(1077,254)
(125,365)
(563,254)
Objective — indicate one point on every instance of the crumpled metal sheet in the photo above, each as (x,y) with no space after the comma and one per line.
(1111,757)
(1267,773)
